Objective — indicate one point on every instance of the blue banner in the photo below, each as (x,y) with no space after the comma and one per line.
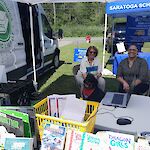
(127,6)
(138,29)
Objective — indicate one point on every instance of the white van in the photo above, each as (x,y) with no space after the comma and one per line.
(15,40)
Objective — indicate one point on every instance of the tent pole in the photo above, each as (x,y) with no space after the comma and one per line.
(32,46)
(103,62)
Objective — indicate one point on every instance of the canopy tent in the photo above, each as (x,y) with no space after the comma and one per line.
(123,8)
(126,7)
(33,2)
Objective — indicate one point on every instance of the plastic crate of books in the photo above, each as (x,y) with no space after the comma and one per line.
(41,109)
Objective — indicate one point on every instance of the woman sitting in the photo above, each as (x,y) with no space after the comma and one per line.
(90,64)
(133,73)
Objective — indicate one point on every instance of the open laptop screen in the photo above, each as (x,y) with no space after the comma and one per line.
(117,99)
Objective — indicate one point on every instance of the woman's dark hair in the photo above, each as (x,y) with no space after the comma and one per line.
(92,47)
(90,80)
(133,44)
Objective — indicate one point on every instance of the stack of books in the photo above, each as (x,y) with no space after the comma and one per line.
(20,121)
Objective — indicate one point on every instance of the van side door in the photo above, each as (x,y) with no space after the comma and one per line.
(48,42)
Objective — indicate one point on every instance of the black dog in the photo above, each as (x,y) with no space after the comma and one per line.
(91,91)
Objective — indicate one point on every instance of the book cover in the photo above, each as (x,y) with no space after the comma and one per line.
(77,140)
(73,140)
(142,144)
(117,141)
(23,116)
(92,142)
(139,146)
(12,124)
(53,137)
(18,143)
(3,135)
(32,118)
(74,110)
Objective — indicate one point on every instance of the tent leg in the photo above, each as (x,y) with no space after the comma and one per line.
(32,45)
(103,60)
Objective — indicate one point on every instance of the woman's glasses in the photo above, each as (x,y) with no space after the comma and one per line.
(92,52)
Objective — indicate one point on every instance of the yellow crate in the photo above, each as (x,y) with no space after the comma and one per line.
(41,109)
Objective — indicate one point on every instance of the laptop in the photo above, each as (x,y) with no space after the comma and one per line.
(116,99)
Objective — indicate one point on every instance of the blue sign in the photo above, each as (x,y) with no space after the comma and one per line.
(138,29)
(79,53)
(127,6)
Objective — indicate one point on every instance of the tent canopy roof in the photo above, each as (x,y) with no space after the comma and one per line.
(60,1)
(123,8)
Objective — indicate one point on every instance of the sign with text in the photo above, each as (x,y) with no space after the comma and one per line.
(79,53)
(138,29)
(128,6)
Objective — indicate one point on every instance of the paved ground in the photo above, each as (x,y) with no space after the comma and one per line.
(67,41)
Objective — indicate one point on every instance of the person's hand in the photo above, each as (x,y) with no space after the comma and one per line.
(136,82)
(126,86)
(84,75)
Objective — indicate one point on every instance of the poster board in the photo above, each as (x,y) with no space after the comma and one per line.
(79,53)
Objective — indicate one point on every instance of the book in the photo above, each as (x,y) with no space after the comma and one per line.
(142,144)
(73,140)
(77,140)
(12,124)
(74,110)
(18,143)
(23,116)
(139,146)
(3,135)
(92,142)
(56,104)
(53,137)
(32,119)
(117,141)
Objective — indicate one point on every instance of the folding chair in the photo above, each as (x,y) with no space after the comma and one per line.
(75,69)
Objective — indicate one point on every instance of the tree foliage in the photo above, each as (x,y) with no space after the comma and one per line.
(75,14)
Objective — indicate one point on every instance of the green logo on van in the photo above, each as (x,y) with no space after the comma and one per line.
(5,26)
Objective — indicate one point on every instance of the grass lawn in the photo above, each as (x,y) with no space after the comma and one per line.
(62,80)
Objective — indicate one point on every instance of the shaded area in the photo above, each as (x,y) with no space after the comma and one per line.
(63,85)
(111,84)
(66,84)
(42,79)
(109,61)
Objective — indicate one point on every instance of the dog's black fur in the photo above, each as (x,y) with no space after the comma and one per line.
(91,83)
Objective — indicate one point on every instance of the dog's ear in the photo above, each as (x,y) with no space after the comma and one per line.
(91,80)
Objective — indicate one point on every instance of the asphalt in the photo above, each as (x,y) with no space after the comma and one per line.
(76,40)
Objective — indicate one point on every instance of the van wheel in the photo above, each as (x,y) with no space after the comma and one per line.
(56,61)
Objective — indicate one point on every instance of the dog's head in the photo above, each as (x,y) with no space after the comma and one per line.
(90,82)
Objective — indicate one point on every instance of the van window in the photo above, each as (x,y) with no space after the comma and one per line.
(47,30)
